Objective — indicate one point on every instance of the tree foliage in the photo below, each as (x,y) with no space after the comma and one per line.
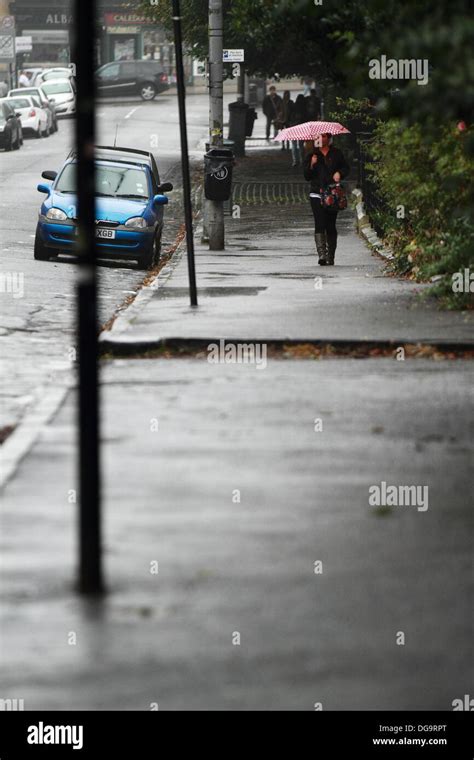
(335,42)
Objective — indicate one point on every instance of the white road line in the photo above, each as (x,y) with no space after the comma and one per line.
(130,113)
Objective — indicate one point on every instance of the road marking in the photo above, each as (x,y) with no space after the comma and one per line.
(130,113)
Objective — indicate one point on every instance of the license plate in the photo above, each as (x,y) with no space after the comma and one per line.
(104,233)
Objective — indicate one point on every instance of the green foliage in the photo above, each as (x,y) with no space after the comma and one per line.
(432,183)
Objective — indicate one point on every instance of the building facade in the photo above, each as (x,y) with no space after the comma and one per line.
(122,34)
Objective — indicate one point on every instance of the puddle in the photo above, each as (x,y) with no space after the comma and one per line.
(211,292)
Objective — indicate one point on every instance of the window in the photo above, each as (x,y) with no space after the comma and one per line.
(56,88)
(110,72)
(20,103)
(111,181)
(128,71)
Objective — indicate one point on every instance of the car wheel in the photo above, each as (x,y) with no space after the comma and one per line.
(148,91)
(152,256)
(41,253)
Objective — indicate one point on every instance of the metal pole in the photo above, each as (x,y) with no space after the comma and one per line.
(188,211)
(90,549)
(216,115)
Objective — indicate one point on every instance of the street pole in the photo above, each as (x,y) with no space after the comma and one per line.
(188,211)
(215,209)
(90,548)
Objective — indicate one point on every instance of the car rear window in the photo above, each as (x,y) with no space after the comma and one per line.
(55,88)
(19,103)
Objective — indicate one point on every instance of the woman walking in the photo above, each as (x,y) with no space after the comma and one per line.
(324,166)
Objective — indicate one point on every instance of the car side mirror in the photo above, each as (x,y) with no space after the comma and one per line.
(160,200)
(49,175)
(166,187)
(44,189)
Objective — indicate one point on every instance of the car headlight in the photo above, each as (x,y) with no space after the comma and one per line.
(57,214)
(136,221)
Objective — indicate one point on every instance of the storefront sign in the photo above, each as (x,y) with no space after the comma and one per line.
(48,37)
(123,30)
(24,44)
(59,19)
(125,19)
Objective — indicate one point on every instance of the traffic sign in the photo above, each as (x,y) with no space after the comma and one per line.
(7,48)
(7,22)
(233,56)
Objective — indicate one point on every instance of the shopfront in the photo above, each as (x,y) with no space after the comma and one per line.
(49,27)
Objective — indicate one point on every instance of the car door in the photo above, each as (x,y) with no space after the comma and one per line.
(12,121)
(108,80)
(128,78)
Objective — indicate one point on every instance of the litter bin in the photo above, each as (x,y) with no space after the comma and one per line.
(218,164)
(238,125)
(250,118)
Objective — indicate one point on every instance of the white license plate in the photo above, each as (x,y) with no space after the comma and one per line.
(104,233)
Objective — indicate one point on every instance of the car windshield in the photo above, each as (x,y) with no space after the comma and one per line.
(55,88)
(111,182)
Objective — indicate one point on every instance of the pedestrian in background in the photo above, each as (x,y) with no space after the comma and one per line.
(313,106)
(298,116)
(272,108)
(23,79)
(324,166)
(287,110)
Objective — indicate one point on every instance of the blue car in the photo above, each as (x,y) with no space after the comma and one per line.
(129,208)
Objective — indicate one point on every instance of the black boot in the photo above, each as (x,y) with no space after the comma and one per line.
(321,247)
(332,245)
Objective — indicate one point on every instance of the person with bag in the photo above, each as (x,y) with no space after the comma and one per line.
(273,109)
(325,167)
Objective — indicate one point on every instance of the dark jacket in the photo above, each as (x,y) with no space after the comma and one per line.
(321,175)
(272,107)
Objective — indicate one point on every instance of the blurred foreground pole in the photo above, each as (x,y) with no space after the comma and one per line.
(90,549)
(188,211)
(215,215)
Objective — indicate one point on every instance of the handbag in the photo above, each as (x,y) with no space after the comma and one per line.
(334,197)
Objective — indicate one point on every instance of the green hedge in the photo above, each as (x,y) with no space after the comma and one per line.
(426,178)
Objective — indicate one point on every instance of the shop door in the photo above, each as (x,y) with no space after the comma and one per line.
(124,47)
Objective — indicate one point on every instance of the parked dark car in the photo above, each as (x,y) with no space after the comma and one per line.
(11,135)
(144,78)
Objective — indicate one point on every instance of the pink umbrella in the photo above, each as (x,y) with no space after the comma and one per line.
(310,130)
